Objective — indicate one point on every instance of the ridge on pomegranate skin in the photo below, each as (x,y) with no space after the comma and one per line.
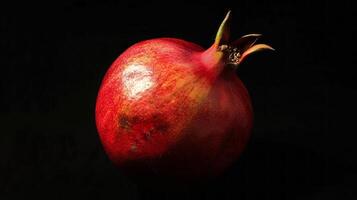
(170,106)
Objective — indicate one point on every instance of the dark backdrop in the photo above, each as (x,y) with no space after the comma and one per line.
(54,55)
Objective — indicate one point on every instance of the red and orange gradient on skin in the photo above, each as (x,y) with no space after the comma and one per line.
(170,106)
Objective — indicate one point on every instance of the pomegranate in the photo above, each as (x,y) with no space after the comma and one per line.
(167,106)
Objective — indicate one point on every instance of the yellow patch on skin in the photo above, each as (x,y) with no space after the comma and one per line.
(187,96)
(198,92)
(180,83)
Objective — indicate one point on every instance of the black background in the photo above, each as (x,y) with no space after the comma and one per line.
(54,55)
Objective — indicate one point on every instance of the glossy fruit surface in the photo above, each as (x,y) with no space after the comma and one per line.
(169,107)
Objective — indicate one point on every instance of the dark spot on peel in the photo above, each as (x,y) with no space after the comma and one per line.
(162,127)
(156,116)
(147,135)
(135,119)
(124,122)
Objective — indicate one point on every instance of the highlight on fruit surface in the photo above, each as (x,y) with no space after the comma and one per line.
(171,108)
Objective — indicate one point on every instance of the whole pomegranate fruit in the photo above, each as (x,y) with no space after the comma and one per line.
(170,107)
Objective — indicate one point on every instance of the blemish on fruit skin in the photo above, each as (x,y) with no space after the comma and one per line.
(160,125)
(147,135)
(124,122)
(133,148)
(127,122)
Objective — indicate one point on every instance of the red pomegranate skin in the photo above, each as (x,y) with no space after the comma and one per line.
(167,106)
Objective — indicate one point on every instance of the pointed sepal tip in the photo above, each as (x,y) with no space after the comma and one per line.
(222,35)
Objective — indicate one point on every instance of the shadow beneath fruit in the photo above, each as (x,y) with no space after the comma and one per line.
(266,170)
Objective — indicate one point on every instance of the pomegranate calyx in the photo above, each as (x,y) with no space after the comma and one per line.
(233,53)
(225,53)
(239,49)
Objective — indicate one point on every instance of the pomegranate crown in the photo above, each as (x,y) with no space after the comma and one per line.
(233,53)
